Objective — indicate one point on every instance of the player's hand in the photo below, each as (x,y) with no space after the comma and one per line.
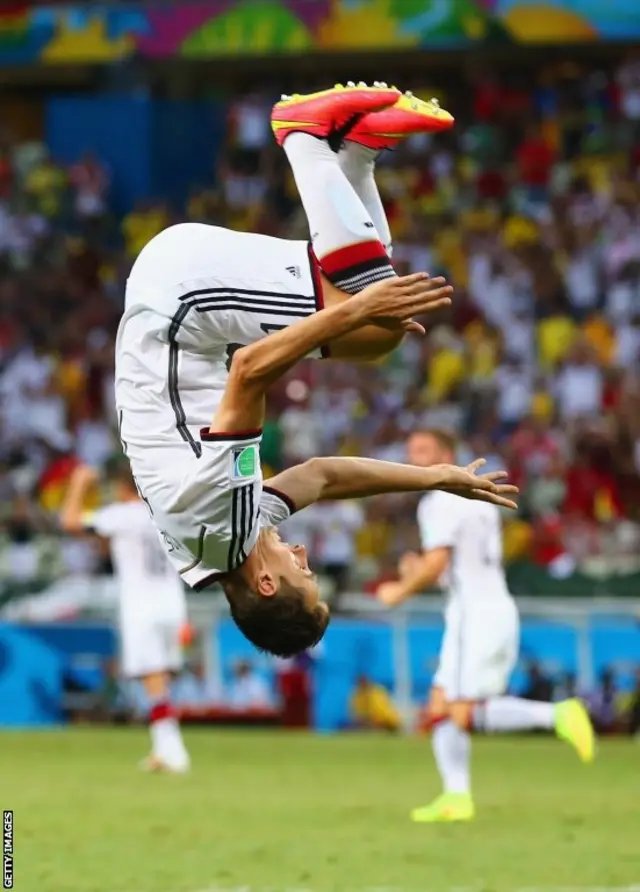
(468,484)
(390,594)
(84,476)
(394,302)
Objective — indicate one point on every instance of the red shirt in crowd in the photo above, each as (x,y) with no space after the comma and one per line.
(591,489)
(535,159)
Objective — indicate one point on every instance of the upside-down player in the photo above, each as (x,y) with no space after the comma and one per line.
(152,605)
(192,430)
(462,543)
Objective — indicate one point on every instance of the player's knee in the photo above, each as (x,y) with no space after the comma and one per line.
(437,708)
(461,713)
(282,624)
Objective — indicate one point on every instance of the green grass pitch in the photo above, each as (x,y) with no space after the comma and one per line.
(280,812)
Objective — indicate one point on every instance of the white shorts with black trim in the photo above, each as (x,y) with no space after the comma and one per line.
(206,505)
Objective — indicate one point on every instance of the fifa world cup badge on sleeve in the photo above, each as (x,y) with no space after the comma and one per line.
(7,850)
(245,463)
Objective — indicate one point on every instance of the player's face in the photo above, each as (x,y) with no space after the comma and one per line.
(424,450)
(291,563)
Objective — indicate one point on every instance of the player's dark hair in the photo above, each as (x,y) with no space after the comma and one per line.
(282,625)
(445,438)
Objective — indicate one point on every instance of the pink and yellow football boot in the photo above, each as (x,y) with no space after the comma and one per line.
(330,114)
(385,129)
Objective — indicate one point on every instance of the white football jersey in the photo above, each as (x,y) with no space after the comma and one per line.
(473,532)
(146,579)
(193,292)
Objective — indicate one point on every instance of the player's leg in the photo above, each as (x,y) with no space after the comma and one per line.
(147,657)
(358,164)
(451,744)
(168,752)
(348,225)
(344,237)
(492,712)
(452,752)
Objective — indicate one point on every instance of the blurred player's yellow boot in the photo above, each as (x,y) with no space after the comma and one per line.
(385,129)
(447,808)
(330,113)
(572,723)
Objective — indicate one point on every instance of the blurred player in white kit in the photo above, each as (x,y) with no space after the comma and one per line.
(152,604)
(462,542)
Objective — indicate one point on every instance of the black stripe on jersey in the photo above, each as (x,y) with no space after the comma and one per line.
(172,380)
(244,523)
(245,292)
(284,300)
(234,529)
(215,303)
(257,309)
(249,526)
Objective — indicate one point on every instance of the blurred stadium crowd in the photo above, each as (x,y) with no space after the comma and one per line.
(531,207)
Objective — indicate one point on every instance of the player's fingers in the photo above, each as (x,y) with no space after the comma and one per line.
(423,286)
(495,475)
(507,487)
(425,303)
(412,325)
(475,465)
(414,279)
(434,305)
(495,499)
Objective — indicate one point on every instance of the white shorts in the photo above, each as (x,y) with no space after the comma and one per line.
(479,650)
(150,644)
(206,506)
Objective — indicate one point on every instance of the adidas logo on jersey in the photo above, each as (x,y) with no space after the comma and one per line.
(295,271)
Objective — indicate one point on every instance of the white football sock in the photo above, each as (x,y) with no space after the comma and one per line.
(359,165)
(167,743)
(452,750)
(343,235)
(513,714)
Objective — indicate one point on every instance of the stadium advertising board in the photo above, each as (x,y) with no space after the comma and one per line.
(208,28)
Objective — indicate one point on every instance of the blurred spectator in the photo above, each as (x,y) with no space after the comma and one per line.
(336,526)
(295,687)
(538,685)
(248,689)
(372,708)
(90,183)
(603,703)
(193,689)
(631,706)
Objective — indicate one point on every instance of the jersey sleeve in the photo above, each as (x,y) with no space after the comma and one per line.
(103,521)
(117,518)
(275,506)
(439,520)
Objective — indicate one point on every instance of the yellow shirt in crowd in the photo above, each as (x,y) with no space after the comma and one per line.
(371,705)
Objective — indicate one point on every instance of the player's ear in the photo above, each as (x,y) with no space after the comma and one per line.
(266,584)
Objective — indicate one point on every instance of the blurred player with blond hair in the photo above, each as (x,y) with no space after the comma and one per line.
(462,545)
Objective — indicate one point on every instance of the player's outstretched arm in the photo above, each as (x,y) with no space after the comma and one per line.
(355,478)
(72,512)
(256,368)
(416,573)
